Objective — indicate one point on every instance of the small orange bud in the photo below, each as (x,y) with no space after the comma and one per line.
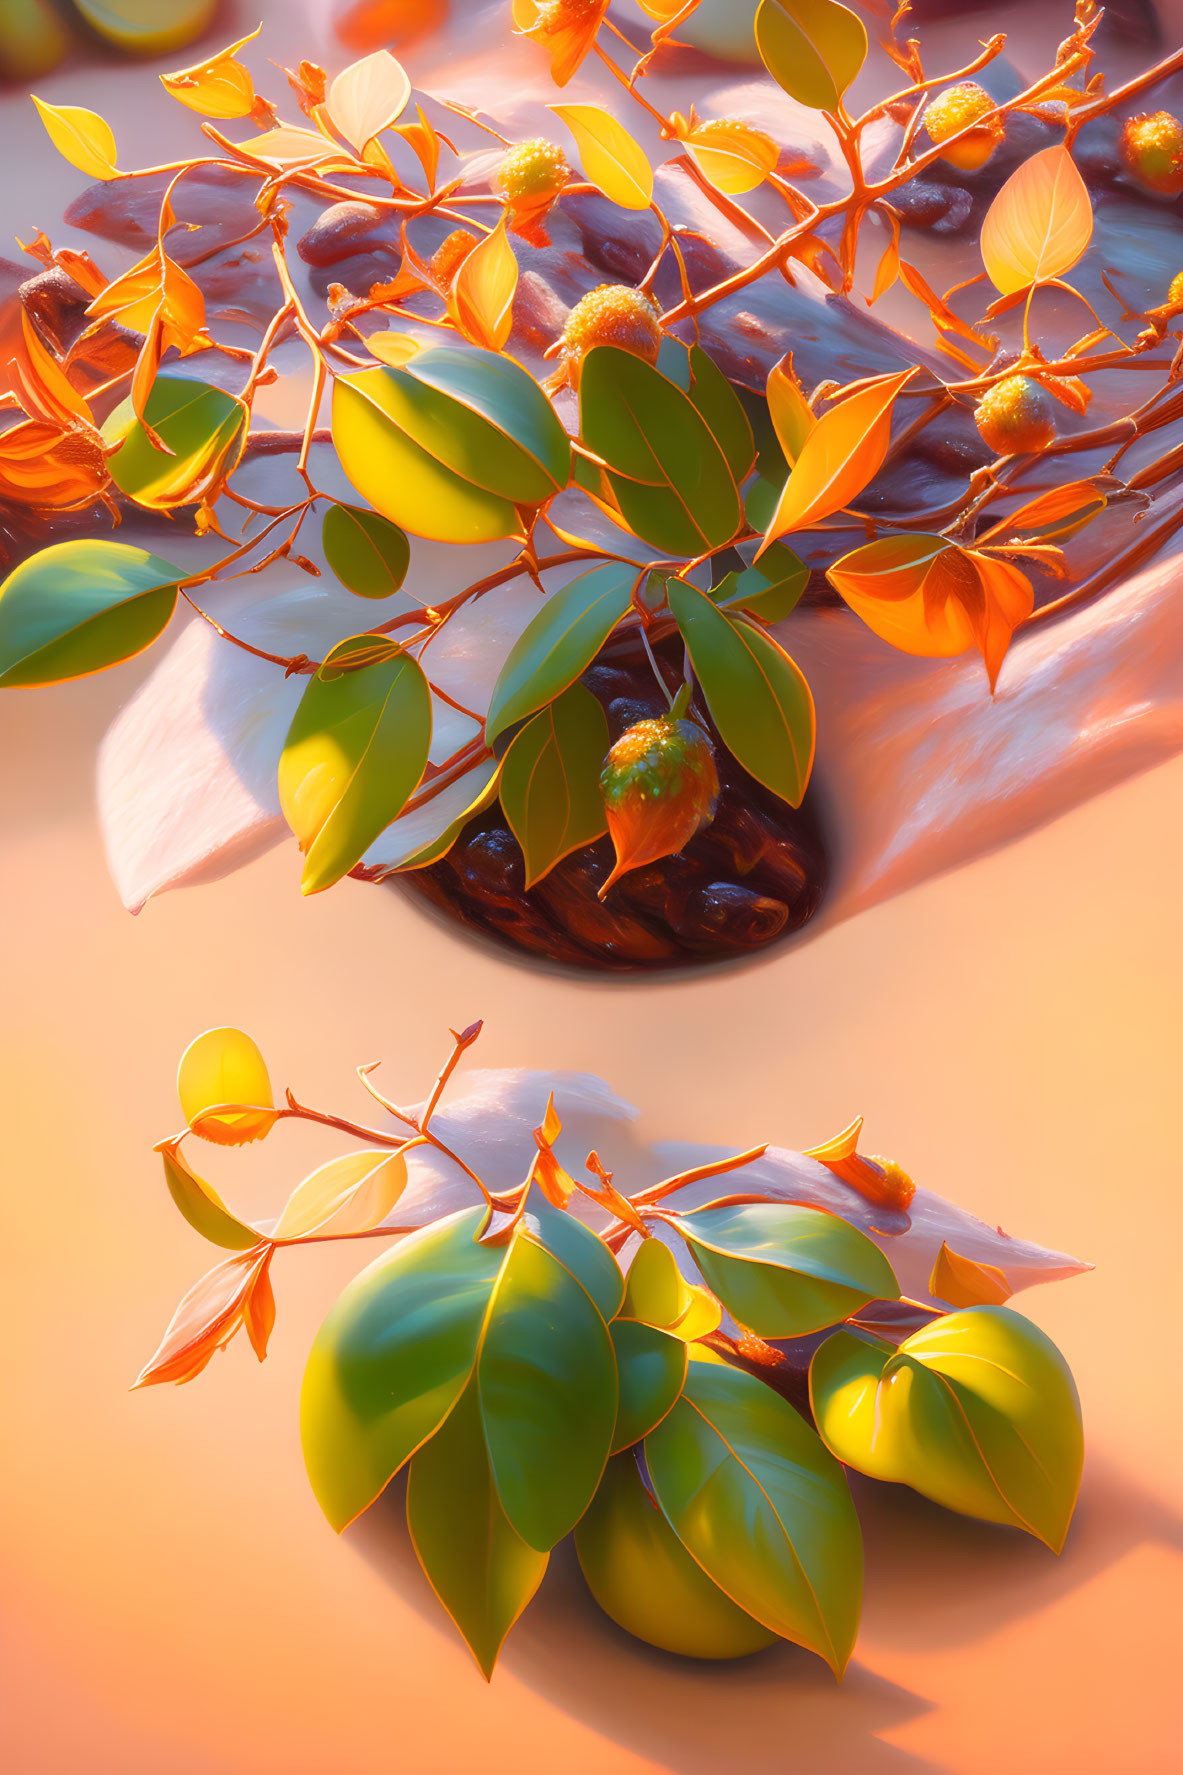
(660,787)
(611,314)
(1152,148)
(1016,416)
(951,111)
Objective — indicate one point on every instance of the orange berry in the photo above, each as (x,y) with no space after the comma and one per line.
(611,314)
(1152,148)
(1016,416)
(951,111)
(537,168)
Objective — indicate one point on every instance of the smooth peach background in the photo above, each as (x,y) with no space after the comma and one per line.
(174,1600)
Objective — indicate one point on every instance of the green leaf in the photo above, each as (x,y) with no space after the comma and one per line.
(546,1380)
(668,475)
(77,607)
(655,1290)
(401,479)
(559,643)
(550,780)
(579,1250)
(783,1269)
(751,1492)
(391,1360)
(484,416)
(368,554)
(355,751)
(204,428)
(770,590)
(652,1368)
(644,1579)
(812,48)
(977,1411)
(481,1569)
(698,376)
(204,1208)
(757,695)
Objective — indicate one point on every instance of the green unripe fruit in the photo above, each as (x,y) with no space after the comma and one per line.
(1016,416)
(1152,148)
(642,1576)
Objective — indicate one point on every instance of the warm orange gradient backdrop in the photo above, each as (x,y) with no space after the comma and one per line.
(174,1602)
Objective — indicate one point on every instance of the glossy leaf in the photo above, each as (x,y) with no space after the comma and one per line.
(579,1250)
(203,427)
(225,1067)
(203,1207)
(350,1194)
(559,643)
(550,780)
(925,595)
(1039,224)
(480,299)
(481,1569)
(668,475)
(656,1292)
(611,158)
(964,1283)
(218,87)
(732,155)
(546,1379)
(841,454)
(977,1411)
(486,418)
(355,751)
(77,607)
(751,1492)
(82,137)
(792,417)
(771,590)
(1061,512)
(812,48)
(716,401)
(782,1269)
(392,1358)
(368,96)
(297,148)
(757,696)
(234,1293)
(652,1368)
(644,1579)
(368,554)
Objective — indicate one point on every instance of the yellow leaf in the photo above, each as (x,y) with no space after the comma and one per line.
(842,453)
(368,97)
(482,293)
(792,416)
(82,137)
(964,1283)
(733,156)
(390,347)
(611,158)
(224,1089)
(1039,224)
(219,87)
(352,1194)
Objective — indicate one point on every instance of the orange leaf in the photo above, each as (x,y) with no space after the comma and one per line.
(423,139)
(41,465)
(236,1292)
(926,596)
(481,298)
(42,386)
(566,40)
(881,1181)
(1039,224)
(546,1171)
(792,416)
(218,87)
(943,316)
(842,453)
(889,265)
(1063,510)
(964,1283)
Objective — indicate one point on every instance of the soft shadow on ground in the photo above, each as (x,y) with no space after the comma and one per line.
(778,1709)
(933,1579)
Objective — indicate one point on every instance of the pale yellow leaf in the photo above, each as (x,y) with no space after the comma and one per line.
(351,1194)
(1039,224)
(368,97)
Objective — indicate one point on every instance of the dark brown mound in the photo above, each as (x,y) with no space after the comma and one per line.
(754,876)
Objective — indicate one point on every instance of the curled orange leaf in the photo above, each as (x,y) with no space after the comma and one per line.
(218,87)
(1039,224)
(234,1293)
(566,29)
(842,453)
(480,300)
(881,1181)
(925,595)
(964,1283)
(1057,514)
